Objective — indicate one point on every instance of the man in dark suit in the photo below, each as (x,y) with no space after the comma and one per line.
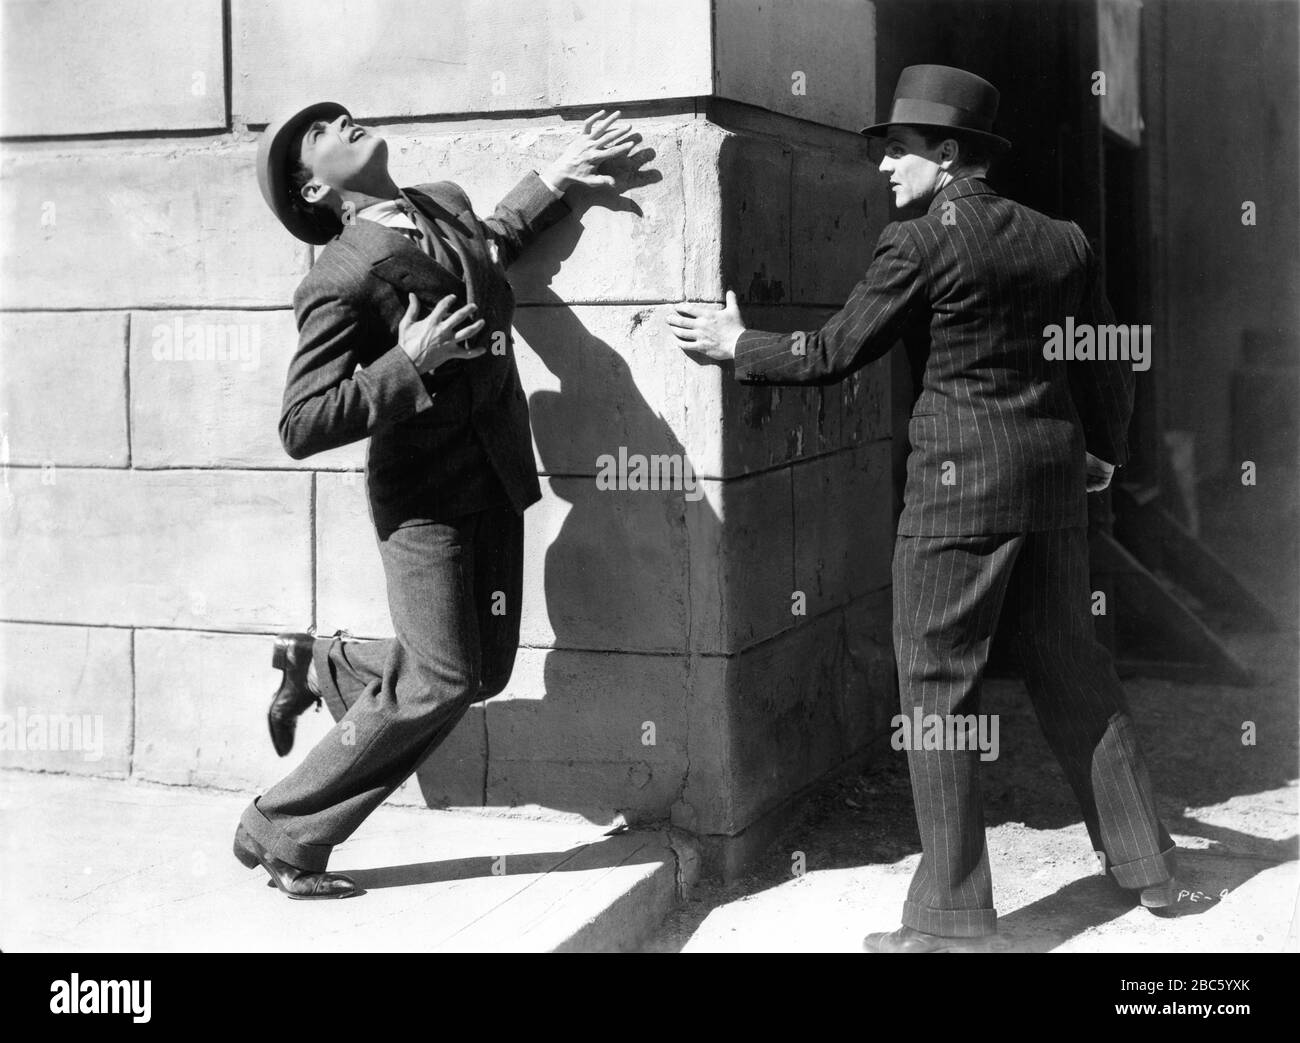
(449,472)
(1005,443)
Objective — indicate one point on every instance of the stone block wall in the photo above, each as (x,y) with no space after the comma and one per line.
(154,534)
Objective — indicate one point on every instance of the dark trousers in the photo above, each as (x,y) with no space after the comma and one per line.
(948,596)
(454,592)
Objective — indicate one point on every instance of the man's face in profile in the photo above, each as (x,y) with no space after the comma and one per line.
(913,167)
(339,153)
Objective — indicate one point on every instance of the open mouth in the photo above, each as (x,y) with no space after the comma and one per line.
(355,133)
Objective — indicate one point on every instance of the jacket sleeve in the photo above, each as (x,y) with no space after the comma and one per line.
(868,325)
(1102,389)
(330,398)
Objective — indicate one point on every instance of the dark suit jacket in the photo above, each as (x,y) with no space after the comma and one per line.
(442,444)
(970,300)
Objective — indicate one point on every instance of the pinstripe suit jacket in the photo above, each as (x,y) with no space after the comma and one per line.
(441,444)
(969,288)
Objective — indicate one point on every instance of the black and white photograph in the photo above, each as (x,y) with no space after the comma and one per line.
(650,477)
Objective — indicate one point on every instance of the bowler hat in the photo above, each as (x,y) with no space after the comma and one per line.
(273,162)
(942,97)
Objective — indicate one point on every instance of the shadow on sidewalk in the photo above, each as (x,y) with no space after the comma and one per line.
(532,863)
(1230,804)
(1091,901)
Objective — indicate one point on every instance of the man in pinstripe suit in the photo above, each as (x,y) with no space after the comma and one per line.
(1005,445)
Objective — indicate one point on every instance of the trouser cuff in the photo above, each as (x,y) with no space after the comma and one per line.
(1143,872)
(952,923)
(311,857)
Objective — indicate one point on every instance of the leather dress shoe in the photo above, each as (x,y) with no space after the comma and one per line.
(909,939)
(297,883)
(1160,896)
(293,656)
(1164,894)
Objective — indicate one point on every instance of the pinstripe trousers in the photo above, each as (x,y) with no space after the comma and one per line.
(948,596)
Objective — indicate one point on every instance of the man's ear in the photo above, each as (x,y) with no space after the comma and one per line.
(949,150)
(314,191)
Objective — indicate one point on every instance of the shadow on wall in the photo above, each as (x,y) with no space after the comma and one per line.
(645,596)
(615,576)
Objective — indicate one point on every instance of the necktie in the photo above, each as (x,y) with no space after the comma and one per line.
(428,239)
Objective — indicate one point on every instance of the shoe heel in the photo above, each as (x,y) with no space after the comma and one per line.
(280,656)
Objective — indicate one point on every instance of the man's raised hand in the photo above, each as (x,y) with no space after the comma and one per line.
(598,141)
(708,332)
(435,339)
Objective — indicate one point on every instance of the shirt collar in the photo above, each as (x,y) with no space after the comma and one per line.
(389,212)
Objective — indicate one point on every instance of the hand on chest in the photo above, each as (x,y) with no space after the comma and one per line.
(460,263)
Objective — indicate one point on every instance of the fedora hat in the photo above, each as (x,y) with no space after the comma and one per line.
(944,98)
(273,172)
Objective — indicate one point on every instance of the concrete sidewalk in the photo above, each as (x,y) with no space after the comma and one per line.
(91,865)
(99,865)
(1060,906)
(1228,799)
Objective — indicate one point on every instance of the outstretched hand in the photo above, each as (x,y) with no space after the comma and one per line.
(598,141)
(706,331)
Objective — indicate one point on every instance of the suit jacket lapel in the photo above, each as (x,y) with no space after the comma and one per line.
(459,230)
(456,231)
(397,260)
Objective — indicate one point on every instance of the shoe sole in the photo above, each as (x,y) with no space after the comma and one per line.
(321,897)
(279,661)
(275,742)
